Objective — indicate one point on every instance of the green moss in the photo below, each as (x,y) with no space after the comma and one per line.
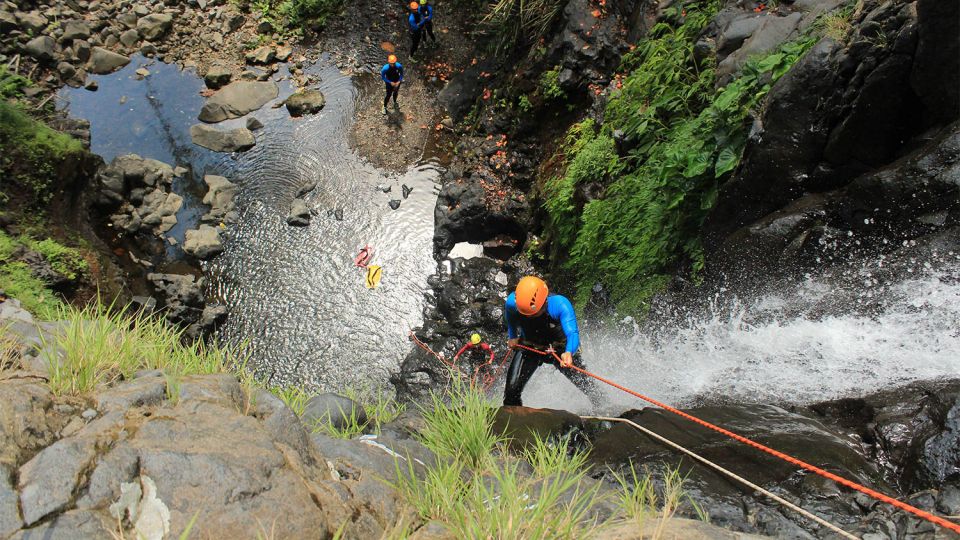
(64,260)
(686,137)
(30,151)
(17,281)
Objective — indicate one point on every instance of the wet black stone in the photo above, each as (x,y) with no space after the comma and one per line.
(394,204)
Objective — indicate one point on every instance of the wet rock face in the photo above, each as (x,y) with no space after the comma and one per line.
(916,198)
(466,298)
(846,110)
(464,213)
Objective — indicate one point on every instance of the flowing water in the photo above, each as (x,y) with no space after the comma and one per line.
(293,294)
(838,334)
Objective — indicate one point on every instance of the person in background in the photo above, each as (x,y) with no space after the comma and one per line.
(426,13)
(541,320)
(392,75)
(417,23)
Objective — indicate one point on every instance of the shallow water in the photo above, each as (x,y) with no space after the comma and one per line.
(293,294)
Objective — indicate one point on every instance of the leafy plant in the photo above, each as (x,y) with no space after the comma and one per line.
(682,137)
(550,85)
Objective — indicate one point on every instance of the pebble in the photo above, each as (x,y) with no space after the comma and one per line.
(89,414)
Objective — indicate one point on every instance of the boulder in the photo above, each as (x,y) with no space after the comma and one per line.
(299,215)
(76,30)
(9,510)
(43,48)
(47,482)
(32,22)
(103,61)
(261,55)
(220,194)
(130,38)
(334,409)
(217,77)
(237,99)
(181,295)
(769,34)
(70,526)
(305,102)
(8,21)
(253,124)
(234,140)
(203,243)
(155,26)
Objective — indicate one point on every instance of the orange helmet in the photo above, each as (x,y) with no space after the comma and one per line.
(531,294)
(392,59)
(414,6)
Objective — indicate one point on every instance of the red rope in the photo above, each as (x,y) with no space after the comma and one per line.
(763,448)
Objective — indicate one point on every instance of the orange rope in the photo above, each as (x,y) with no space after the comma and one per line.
(790,459)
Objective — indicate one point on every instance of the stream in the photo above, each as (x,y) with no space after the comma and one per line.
(293,294)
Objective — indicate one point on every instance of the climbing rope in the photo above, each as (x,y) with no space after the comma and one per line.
(729,474)
(749,442)
(486,379)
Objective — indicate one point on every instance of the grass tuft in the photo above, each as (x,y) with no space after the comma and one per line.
(99,346)
(460,424)
(639,501)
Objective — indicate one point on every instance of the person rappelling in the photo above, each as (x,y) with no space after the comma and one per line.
(392,75)
(471,348)
(538,319)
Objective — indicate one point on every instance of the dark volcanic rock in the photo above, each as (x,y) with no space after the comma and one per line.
(462,215)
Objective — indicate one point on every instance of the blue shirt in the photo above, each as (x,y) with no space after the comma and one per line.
(559,309)
(394,72)
(426,12)
(416,21)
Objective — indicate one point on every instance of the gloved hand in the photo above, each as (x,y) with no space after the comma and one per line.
(566,359)
(513,342)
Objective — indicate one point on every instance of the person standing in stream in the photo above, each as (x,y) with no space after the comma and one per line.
(392,75)
(416,22)
(537,319)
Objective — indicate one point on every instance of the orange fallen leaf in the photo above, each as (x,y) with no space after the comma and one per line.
(596,13)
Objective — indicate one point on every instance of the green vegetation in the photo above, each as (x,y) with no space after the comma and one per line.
(292,16)
(550,85)
(521,22)
(18,281)
(684,136)
(479,491)
(836,24)
(30,152)
(378,403)
(638,497)
(98,346)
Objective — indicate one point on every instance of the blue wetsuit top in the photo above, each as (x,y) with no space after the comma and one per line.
(416,21)
(426,12)
(392,73)
(559,309)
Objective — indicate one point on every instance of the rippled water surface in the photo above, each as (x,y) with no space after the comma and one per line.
(293,294)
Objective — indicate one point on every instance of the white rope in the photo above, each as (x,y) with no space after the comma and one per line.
(729,474)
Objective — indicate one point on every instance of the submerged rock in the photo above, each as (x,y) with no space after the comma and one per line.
(233,140)
(237,99)
(220,195)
